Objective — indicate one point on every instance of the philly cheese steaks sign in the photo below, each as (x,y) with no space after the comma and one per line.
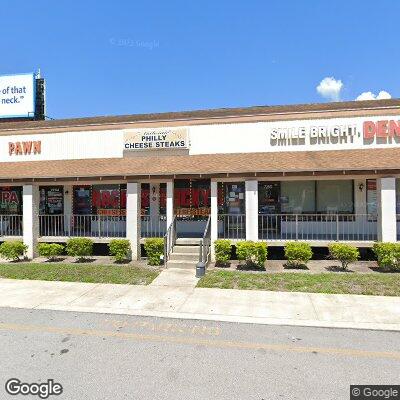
(156,139)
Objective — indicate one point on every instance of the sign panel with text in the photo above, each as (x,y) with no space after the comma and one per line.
(156,139)
(17,96)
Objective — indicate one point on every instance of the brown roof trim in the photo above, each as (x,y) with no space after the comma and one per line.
(288,163)
(199,115)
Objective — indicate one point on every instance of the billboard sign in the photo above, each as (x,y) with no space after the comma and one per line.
(17,96)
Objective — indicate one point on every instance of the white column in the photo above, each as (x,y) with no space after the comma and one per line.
(154,200)
(360,203)
(214,217)
(68,207)
(68,199)
(360,208)
(133,218)
(386,190)
(251,210)
(170,202)
(30,219)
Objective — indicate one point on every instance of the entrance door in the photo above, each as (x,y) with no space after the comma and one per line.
(269,208)
(192,206)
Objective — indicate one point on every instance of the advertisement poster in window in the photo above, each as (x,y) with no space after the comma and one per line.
(371,199)
(10,200)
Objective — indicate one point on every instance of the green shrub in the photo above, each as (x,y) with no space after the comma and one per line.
(345,253)
(155,249)
(80,248)
(298,253)
(252,252)
(13,249)
(387,255)
(120,249)
(50,250)
(222,251)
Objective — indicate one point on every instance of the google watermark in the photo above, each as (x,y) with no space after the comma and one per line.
(375,392)
(43,390)
(128,42)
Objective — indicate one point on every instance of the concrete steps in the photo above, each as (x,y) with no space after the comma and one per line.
(185,254)
(188,241)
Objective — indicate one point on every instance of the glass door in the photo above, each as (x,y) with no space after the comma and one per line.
(269,208)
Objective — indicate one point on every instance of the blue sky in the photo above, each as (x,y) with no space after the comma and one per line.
(125,57)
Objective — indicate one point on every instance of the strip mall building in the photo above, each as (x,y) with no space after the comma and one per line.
(317,173)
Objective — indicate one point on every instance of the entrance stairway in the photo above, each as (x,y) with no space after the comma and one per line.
(185,254)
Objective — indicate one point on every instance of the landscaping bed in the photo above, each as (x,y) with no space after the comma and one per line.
(384,284)
(79,272)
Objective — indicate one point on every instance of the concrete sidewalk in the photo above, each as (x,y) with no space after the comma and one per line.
(186,301)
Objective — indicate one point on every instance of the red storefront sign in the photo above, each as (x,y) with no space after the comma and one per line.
(381,129)
(194,197)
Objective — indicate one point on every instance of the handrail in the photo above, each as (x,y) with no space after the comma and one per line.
(169,240)
(205,244)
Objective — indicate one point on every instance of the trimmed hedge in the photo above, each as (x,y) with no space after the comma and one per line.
(120,249)
(298,253)
(155,249)
(82,248)
(50,250)
(345,253)
(222,251)
(13,249)
(387,255)
(253,253)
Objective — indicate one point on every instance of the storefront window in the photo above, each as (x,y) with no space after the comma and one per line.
(51,200)
(10,200)
(145,199)
(269,197)
(163,199)
(335,197)
(298,197)
(100,199)
(372,199)
(231,198)
(192,197)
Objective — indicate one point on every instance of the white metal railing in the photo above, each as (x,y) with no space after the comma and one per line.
(153,226)
(335,227)
(205,244)
(74,225)
(169,240)
(232,226)
(11,225)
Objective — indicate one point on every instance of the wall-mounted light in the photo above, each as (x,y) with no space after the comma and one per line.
(361,187)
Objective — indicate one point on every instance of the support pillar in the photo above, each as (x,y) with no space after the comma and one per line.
(154,201)
(133,218)
(387,225)
(251,210)
(214,217)
(30,218)
(68,208)
(170,202)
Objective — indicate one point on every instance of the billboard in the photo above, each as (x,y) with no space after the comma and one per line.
(17,96)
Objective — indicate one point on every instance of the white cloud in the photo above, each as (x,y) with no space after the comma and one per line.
(371,96)
(330,88)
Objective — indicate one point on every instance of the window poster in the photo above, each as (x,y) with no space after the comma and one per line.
(10,200)
(371,197)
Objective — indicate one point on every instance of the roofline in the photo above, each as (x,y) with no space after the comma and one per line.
(205,114)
